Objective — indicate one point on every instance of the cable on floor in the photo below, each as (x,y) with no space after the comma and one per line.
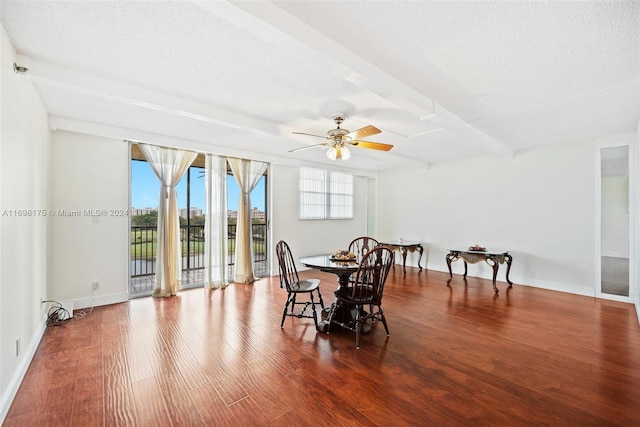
(87,311)
(58,315)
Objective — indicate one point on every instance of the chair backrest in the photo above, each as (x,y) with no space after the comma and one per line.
(286,266)
(361,245)
(372,275)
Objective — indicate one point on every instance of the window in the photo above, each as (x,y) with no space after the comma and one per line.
(325,194)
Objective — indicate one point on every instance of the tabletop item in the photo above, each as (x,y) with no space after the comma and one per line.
(295,287)
(473,256)
(342,255)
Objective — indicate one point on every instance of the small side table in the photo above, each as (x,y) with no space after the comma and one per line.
(493,258)
(403,247)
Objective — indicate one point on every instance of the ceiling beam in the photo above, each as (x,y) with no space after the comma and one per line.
(269,22)
(135,135)
(42,73)
(101,88)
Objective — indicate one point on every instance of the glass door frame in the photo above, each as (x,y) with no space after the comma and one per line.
(610,142)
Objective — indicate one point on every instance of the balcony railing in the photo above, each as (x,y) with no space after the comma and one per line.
(144,246)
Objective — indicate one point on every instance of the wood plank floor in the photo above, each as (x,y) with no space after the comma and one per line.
(456,356)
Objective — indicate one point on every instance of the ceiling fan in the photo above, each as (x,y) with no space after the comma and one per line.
(339,139)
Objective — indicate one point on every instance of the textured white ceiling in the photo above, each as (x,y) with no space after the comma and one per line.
(442,80)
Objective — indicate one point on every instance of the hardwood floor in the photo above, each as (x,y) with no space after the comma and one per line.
(456,356)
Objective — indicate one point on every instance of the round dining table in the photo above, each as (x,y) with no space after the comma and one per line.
(342,268)
(342,315)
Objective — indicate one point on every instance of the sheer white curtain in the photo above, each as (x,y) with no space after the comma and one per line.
(215,224)
(247,174)
(169,165)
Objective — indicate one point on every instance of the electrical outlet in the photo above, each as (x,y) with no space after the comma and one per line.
(94,285)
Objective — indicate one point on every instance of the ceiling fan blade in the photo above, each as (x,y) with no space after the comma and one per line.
(310,134)
(374,145)
(363,132)
(308,146)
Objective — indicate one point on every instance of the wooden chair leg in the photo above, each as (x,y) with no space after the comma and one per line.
(358,326)
(330,316)
(313,309)
(320,296)
(286,307)
(384,320)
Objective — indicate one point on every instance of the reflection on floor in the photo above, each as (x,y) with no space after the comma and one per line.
(615,275)
(142,286)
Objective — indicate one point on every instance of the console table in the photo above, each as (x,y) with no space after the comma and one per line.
(403,247)
(493,258)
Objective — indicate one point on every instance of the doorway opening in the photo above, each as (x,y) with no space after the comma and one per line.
(614,242)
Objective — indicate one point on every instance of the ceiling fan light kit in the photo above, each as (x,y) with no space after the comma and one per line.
(338,152)
(339,138)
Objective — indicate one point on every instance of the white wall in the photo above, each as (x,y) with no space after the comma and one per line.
(538,205)
(88,174)
(24,157)
(634,200)
(310,237)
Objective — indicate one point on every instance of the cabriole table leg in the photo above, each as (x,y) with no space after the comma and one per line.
(508,258)
(403,251)
(495,264)
(451,256)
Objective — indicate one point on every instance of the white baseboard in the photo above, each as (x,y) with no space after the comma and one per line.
(99,300)
(19,374)
(525,281)
(560,287)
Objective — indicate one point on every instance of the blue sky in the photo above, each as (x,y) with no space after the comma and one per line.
(145,189)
